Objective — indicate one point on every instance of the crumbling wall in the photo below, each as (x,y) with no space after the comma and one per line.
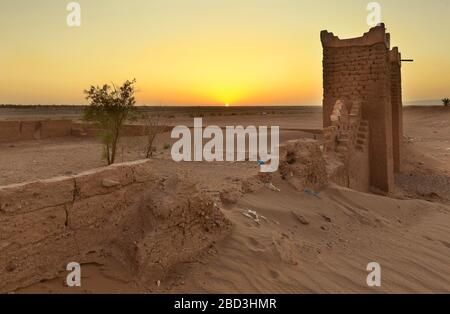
(13,131)
(397,107)
(146,220)
(91,129)
(302,164)
(346,146)
(359,70)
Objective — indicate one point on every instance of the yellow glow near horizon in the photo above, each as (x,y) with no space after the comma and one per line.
(203,52)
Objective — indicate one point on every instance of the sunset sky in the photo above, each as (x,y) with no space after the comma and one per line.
(194,52)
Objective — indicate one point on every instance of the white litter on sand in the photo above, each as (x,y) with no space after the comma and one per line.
(254,216)
(272,187)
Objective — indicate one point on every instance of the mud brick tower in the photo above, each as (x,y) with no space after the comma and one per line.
(366,72)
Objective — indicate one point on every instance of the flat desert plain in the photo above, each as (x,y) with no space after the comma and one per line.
(306,242)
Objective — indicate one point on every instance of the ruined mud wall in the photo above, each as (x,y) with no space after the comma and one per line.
(91,130)
(359,70)
(397,107)
(146,221)
(346,147)
(302,164)
(13,131)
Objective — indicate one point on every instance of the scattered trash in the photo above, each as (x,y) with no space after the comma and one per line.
(247,215)
(158,283)
(272,187)
(254,216)
(313,193)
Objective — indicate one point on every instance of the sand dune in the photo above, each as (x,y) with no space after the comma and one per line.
(346,230)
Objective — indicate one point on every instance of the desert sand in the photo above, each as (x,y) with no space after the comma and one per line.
(302,242)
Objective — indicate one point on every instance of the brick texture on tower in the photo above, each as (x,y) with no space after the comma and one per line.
(366,71)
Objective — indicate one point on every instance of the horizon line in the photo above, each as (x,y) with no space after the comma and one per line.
(202,105)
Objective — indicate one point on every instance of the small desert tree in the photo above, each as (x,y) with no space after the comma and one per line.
(154,125)
(446,102)
(110,107)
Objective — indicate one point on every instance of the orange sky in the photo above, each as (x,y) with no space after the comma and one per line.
(193,52)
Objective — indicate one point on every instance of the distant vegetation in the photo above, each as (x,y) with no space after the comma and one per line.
(155,124)
(446,102)
(110,108)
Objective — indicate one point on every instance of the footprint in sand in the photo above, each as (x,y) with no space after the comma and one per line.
(274,274)
(284,249)
(249,225)
(255,245)
(428,238)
